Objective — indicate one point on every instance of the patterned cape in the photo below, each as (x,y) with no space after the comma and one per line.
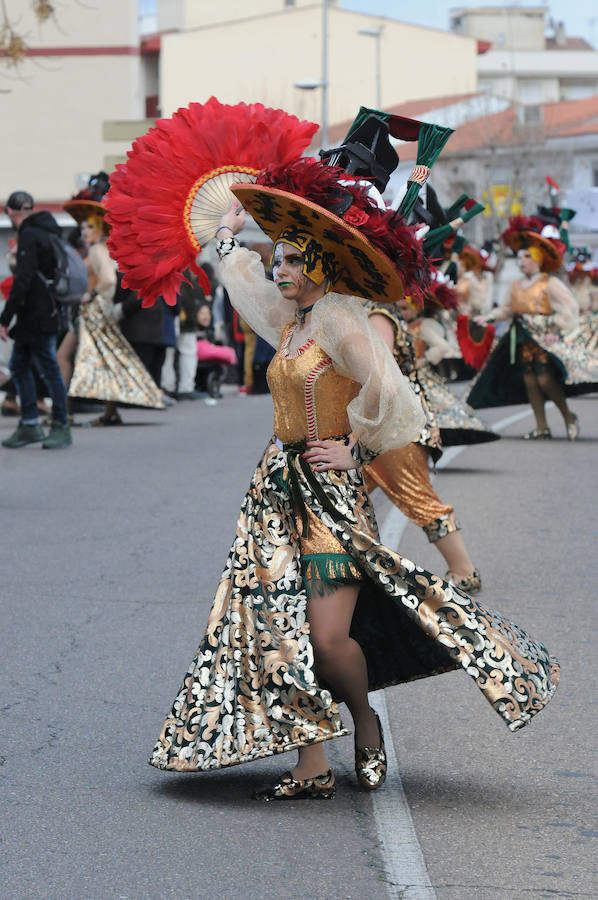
(252,691)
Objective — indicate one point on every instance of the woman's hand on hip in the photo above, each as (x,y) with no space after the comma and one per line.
(323,455)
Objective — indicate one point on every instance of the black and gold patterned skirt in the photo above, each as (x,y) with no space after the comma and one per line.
(252,690)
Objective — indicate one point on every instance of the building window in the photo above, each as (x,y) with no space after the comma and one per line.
(595,177)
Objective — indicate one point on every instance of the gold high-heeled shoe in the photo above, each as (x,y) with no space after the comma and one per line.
(371,764)
(573,429)
(320,787)
(470,584)
(538,434)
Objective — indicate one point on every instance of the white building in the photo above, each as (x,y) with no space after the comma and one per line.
(529,58)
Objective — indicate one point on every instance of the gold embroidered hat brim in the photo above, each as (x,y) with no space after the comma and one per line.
(81,210)
(520,240)
(357,268)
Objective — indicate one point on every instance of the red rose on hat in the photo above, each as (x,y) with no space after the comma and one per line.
(355,216)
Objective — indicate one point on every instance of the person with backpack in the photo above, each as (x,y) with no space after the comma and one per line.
(34,307)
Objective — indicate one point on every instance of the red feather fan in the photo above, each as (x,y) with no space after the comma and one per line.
(475,341)
(384,229)
(181,169)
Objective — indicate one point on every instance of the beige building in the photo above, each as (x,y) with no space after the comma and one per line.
(81,68)
(260,51)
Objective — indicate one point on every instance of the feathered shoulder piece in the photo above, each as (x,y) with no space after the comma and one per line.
(347,197)
(167,200)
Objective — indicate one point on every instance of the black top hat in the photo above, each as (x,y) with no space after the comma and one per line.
(366,151)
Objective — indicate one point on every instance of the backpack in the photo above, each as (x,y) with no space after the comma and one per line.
(70,279)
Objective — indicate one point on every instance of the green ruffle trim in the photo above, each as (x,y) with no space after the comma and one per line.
(326,571)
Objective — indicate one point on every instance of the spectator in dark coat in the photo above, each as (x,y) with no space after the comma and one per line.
(143,328)
(34,332)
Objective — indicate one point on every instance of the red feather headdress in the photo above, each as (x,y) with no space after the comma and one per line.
(168,198)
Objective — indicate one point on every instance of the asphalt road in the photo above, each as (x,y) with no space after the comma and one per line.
(111,553)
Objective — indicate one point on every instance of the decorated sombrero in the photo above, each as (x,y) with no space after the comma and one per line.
(343,236)
(530,231)
(88,202)
(472,258)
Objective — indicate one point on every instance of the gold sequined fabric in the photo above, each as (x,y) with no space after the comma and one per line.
(310,398)
(404,477)
(106,366)
(531,300)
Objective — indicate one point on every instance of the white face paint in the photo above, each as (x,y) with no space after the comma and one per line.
(276,261)
(287,271)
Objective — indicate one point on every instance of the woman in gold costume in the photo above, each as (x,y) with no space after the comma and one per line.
(105,367)
(312,608)
(539,358)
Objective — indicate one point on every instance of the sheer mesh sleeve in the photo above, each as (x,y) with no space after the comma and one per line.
(563,303)
(255,298)
(432,333)
(387,413)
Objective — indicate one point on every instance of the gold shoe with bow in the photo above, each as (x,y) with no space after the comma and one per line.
(320,787)
(573,429)
(371,764)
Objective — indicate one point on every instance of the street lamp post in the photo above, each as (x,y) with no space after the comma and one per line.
(309,84)
(377,34)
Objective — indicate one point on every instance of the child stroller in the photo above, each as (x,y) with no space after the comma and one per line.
(212,363)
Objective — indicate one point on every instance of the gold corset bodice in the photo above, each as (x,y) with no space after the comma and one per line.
(532,300)
(310,398)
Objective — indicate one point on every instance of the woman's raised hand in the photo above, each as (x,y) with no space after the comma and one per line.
(234,219)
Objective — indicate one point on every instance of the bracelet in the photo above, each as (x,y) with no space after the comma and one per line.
(226,245)
(224,226)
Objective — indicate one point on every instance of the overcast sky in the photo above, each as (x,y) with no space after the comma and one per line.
(580,16)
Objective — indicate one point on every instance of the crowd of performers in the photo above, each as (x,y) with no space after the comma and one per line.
(363,308)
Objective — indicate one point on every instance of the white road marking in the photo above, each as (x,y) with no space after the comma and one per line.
(408,877)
